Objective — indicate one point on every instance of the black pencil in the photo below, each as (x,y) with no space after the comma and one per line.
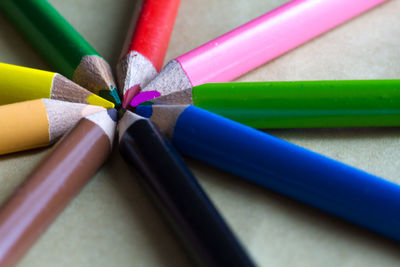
(164,173)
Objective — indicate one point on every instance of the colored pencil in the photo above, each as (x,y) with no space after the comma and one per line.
(53,184)
(38,123)
(61,45)
(145,46)
(21,84)
(299,104)
(252,44)
(164,173)
(324,183)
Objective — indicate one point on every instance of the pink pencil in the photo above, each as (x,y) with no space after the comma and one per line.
(252,44)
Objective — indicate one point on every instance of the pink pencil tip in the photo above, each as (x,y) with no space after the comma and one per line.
(129,94)
(143,97)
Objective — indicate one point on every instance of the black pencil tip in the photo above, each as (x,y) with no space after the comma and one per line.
(121,113)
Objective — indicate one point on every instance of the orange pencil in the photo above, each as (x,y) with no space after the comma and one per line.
(38,123)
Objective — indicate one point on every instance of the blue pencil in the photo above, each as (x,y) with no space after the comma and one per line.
(324,183)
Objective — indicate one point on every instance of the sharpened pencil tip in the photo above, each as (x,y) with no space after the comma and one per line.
(143,97)
(111,95)
(99,101)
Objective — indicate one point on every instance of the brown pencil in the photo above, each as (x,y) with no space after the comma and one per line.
(53,183)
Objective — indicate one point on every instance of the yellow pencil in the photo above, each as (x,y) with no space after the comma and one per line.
(21,84)
(37,123)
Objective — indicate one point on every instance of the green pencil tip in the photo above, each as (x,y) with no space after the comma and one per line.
(111,95)
(147,103)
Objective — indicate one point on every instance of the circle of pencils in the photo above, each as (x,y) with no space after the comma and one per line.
(38,107)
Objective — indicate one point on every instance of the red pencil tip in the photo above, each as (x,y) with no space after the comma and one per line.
(129,94)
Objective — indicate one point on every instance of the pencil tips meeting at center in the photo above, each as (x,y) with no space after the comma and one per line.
(111,95)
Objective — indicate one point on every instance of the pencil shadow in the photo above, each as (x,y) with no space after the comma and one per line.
(15,167)
(299,212)
(23,154)
(159,234)
(336,133)
(14,41)
(121,29)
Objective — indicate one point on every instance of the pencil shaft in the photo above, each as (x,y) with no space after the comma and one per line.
(33,83)
(49,188)
(37,123)
(25,125)
(56,40)
(306,176)
(20,84)
(152,31)
(184,202)
(299,104)
(267,37)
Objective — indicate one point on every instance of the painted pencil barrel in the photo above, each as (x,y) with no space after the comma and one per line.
(326,184)
(19,83)
(153,30)
(267,37)
(304,104)
(145,46)
(56,40)
(24,126)
(34,83)
(37,123)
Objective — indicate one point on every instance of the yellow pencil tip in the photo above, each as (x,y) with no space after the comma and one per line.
(99,101)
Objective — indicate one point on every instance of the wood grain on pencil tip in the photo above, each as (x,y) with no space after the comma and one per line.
(145,45)
(61,45)
(261,40)
(37,123)
(53,184)
(21,84)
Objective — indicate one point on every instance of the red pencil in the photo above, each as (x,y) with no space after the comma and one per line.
(146,45)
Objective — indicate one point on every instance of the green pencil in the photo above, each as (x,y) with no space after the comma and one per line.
(299,104)
(61,45)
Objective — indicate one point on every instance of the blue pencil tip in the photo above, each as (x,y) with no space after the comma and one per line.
(144,110)
(113,114)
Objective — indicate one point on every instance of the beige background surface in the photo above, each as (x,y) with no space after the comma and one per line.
(113,223)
